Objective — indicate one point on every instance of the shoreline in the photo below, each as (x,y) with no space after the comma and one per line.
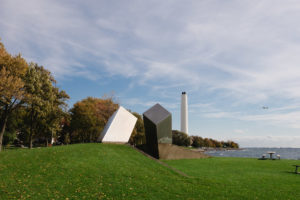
(204,149)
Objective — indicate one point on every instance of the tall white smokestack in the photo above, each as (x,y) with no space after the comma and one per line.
(184,113)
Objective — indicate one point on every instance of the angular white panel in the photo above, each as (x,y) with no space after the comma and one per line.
(119,127)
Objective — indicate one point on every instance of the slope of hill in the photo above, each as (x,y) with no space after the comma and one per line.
(86,171)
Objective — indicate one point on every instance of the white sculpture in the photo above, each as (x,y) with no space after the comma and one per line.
(119,127)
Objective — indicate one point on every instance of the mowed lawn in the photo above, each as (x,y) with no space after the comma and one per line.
(243,178)
(108,171)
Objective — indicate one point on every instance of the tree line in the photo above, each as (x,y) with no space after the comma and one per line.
(31,104)
(182,139)
(34,112)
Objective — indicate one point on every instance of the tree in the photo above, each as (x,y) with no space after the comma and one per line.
(180,138)
(56,113)
(217,143)
(230,144)
(44,103)
(11,130)
(197,141)
(12,71)
(64,134)
(138,134)
(88,118)
(208,142)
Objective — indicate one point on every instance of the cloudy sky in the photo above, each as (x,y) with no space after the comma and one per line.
(231,57)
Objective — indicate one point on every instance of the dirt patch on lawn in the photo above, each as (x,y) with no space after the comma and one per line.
(173,152)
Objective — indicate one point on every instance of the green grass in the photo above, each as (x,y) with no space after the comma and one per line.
(243,178)
(107,171)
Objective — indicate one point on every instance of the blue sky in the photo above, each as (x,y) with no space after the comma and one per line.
(231,57)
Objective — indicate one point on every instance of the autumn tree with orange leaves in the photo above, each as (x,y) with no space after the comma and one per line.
(12,92)
(88,118)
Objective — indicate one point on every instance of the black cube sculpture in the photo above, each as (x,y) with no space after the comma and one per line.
(158,128)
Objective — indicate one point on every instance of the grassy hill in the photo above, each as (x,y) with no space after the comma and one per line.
(108,171)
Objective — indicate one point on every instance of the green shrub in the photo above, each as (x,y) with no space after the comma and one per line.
(138,134)
(180,138)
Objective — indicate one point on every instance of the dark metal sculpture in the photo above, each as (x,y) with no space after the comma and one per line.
(158,128)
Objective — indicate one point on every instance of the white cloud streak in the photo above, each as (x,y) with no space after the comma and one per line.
(247,48)
(268,141)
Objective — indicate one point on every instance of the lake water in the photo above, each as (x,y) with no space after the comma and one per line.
(285,153)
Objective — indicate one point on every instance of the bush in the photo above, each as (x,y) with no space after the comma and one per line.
(230,144)
(9,137)
(138,134)
(197,141)
(180,138)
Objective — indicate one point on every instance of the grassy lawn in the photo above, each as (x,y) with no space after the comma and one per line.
(107,171)
(243,178)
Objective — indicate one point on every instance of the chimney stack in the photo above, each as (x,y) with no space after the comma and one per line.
(184,113)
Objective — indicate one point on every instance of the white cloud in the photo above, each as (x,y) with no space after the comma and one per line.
(219,115)
(147,104)
(268,141)
(239,131)
(247,48)
(291,119)
(288,116)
